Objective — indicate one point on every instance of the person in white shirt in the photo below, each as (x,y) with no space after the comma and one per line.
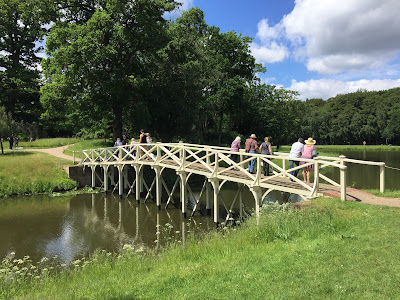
(295,152)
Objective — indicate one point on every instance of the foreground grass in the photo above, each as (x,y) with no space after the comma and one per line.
(32,172)
(49,143)
(386,193)
(328,250)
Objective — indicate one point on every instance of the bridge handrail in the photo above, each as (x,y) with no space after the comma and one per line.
(185,155)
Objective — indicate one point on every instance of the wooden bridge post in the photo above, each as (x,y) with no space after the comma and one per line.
(241,185)
(138,171)
(316,177)
(93,176)
(120,181)
(284,167)
(208,198)
(157,170)
(125,176)
(183,177)
(105,168)
(215,183)
(382,178)
(342,178)
(257,193)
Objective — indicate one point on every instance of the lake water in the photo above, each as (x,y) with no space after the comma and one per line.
(74,226)
(367,177)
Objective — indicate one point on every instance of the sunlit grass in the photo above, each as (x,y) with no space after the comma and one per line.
(87,144)
(328,250)
(32,172)
(49,143)
(387,193)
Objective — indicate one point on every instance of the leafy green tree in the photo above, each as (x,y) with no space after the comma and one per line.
(8,127)
(97,59)
(21,26)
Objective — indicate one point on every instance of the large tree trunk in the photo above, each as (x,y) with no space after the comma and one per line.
(117,122)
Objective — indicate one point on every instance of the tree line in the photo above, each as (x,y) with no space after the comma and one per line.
(113,67)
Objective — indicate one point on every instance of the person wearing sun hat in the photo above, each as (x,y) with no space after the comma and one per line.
(308,149)
(251,147)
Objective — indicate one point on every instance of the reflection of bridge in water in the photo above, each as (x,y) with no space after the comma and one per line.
(124,222)
(216,167)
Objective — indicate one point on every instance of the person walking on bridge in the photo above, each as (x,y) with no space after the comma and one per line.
(251,147)
(266,149)
(295,152)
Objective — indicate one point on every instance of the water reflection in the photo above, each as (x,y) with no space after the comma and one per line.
(46,226)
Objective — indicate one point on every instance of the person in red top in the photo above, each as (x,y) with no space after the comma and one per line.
(251,147)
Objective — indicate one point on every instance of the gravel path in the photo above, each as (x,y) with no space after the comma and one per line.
(58,152)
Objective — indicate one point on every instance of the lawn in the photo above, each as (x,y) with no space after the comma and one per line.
(327,250)
(23,172)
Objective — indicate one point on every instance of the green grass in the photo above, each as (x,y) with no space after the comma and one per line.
(328,250)
(387,193)
(32,172)
(49,143)
(87,144)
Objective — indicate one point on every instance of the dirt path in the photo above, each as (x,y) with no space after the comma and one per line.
(353,194)
(58,152)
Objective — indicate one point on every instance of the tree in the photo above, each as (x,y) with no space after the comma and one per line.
(8,127)
(98,59)
(21,25)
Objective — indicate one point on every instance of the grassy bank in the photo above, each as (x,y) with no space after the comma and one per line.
(32,172)
(86,144)
(328,250)
(49,143)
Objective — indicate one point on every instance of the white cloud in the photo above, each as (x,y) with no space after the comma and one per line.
(269,50)
(327,88)
(269,54)
(334,36)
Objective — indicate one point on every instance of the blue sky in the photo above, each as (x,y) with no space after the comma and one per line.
(319,48)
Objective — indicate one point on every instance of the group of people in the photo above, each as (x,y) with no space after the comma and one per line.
(13,140)
(300,149)
(251,146)
(144,138)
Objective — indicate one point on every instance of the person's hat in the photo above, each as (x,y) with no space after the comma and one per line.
(310,141)
(253,136)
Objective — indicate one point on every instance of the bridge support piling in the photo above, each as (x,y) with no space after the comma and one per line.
(257,194)
(120,181)
(215,184)
(93,176)
(208,199)
(157,170)
(138,170)
(241,200)
(183,180)
(105,168)
(126,178)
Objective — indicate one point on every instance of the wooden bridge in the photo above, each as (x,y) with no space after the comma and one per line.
(216,167)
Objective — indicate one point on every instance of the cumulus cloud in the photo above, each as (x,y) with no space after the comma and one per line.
(269,50)
(334,36)
(327,88)
(269,54)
